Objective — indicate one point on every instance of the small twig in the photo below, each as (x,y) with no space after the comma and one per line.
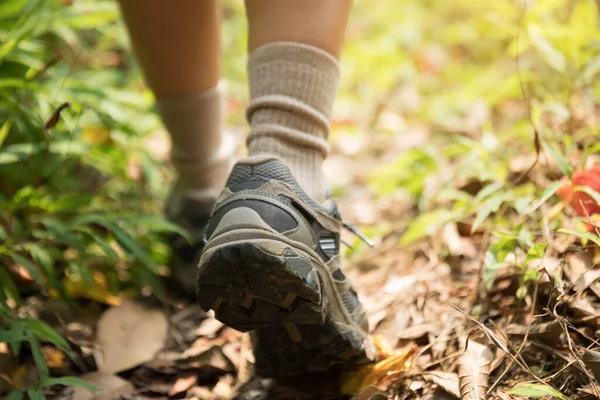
(491,336)
(563,324)
(536,134)
(522,346)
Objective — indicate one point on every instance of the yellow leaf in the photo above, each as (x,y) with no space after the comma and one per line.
(371,375)
(77,289)
(55,358)
(95,134)
(4,131)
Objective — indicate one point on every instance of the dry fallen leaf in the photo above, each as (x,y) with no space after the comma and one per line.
(209,327)
(592,361)
(183,383)
(224,387)
(129,335)
(474,371)
(371,375)
(580,270)
(54,357)
(8,364)
(418,331)
(203,357)
(548,332)
(372,393)
(457,245)
(111,386)
(445,380)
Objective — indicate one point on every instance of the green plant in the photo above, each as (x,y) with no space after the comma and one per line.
(70,207)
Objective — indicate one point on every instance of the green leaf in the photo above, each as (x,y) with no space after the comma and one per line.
(81,271)
(15,333)
(522,204)
(491,205)
(157,224)
(36,395)
(12,7)
(590,71)
(67,381)
(536,390)
(494,258)
(42,257)
(561,162)
(15,395)
(530,275)
(71,202)
(8,287)
(103,244)
(488,190)
(63,233)
(536,252)
(521,292)
(124,238)
(44,331)
(582,235)
(31,269)
(4,131)
(549,53)
(426,224)
(38,356)
(548,192)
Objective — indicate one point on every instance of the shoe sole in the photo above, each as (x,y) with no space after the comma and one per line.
(274,290)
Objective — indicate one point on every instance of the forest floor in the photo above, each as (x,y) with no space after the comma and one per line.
(424,302)
(464,143)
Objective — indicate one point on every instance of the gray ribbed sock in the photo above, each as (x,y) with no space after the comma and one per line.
(201,154)
(292,89)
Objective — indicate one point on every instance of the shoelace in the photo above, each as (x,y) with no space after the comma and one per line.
(352,229)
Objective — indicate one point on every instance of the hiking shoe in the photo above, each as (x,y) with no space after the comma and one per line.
(271,265)
(191,210)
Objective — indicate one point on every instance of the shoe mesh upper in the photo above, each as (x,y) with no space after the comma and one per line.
(270,169)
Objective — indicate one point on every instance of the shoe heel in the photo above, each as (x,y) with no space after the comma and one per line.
(262,284)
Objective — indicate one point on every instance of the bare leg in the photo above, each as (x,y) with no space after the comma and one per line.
(177,43)
(178,47)
(315,22)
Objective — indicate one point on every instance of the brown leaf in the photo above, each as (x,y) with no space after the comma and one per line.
(201,393)
(183,383)
(111,386)
(224,387)
(54,118)
(474,371)
(209,328)
(209,356)
(418,331)
(548,332)
(583,308)
(579,268)
(457,245)
(372,393)
(23,377)
(8,364)
(592,361)
(588,389)
(445,380)
(129,335)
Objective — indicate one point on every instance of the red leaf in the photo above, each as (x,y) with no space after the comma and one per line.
(582,202)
